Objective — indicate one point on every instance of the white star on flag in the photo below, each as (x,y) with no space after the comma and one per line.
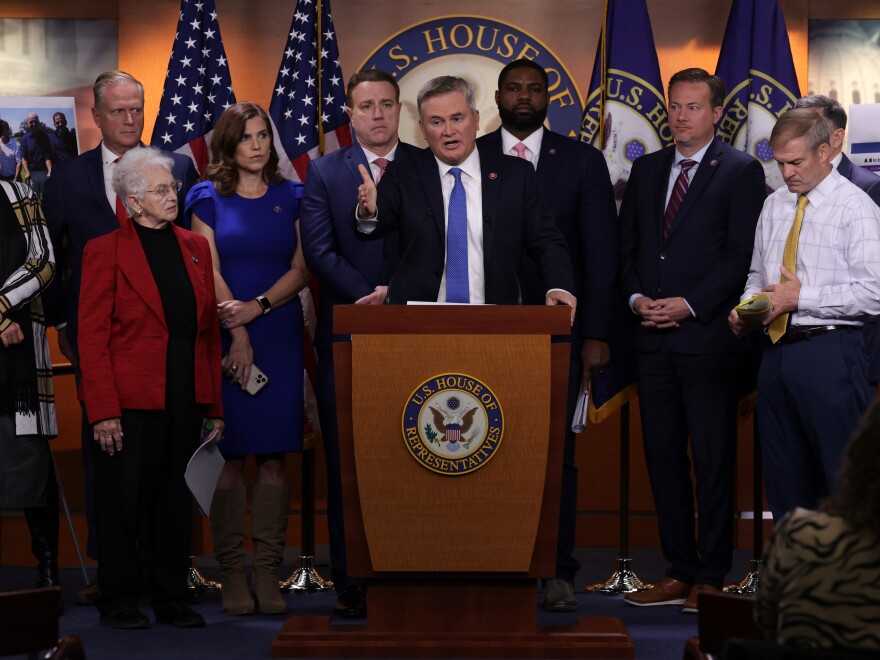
(189,73)
(308,103)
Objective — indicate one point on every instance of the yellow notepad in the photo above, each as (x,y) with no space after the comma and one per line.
(754,308)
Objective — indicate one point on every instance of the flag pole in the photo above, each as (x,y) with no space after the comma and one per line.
(623,580)
(305,579)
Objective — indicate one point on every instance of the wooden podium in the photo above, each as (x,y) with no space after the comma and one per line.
(451,425)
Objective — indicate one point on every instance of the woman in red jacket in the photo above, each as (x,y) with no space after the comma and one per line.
(150,360)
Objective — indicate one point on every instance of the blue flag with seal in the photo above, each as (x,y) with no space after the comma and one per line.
(756,66)
(625,117)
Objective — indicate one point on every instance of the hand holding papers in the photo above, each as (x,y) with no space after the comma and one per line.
(755,309)
(203,470)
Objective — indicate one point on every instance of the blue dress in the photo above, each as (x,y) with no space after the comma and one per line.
(256,240)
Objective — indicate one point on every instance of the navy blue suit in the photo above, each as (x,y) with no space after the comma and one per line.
(577,188)
(76,208)
(347,269)
(687,375)
(870,183)
(515,222)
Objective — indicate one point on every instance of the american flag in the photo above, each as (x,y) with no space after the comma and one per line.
(198,87)
(308,102)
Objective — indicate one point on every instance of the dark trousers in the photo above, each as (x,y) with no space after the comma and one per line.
(144,485)
(694,396)
(326,395)
(566,565)
(811,396)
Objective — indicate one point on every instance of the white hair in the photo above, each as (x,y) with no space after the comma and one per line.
(129,176)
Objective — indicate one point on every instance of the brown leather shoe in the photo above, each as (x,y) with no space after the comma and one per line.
(89,595)
(665,592)
(690,605)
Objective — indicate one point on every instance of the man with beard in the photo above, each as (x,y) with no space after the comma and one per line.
(577,188)
(63,139)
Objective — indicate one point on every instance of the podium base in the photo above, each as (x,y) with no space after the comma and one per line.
(317,637)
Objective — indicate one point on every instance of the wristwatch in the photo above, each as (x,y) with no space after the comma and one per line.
(265,305)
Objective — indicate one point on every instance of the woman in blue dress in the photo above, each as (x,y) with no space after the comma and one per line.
(249,214)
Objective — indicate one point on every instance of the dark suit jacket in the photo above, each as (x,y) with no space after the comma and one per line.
(577,188)
(515,222)
(707,254)
(868,182)
(76,208)
(123,347)
(346,268)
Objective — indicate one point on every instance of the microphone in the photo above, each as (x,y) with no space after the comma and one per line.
(487,222)
(429,214)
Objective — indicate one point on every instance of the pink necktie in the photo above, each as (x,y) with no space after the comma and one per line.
(381,163)
(520,150)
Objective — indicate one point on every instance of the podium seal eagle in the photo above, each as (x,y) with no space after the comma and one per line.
(453,424)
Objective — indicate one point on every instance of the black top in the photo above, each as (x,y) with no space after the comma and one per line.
(172,280)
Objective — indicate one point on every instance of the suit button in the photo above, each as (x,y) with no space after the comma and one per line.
(662,256)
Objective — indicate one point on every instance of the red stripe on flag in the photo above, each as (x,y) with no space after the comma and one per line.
(343,134)
(301,165)
(200,153)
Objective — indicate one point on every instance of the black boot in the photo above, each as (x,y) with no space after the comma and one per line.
(43,525)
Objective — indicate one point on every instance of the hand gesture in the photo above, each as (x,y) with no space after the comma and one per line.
(366,195)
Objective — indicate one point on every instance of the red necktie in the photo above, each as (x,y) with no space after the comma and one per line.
(675,200)
(520,150)
(381,163)
(121,213)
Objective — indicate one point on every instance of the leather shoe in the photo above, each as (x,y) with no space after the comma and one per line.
(89,595)
(125,618)
(351,603)
(179,615)
(690,605)
(559,596)
(667,591)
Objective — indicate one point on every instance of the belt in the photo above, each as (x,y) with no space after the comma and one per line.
(799,333)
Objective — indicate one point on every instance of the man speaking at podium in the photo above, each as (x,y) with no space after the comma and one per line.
(464,215)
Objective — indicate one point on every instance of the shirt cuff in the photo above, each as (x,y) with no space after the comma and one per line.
(365,225)
(632,300)
(808,300)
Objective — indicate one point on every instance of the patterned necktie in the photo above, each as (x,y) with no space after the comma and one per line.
(789,260)
(121,213)
(520,150)
(677,196)
(457,290)
(381,163)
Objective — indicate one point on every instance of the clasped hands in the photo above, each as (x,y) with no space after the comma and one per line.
(783,297)
(662,313)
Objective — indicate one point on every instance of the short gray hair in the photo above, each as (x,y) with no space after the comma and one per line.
(129,174)
(446,85)
(112,78)
(803,123)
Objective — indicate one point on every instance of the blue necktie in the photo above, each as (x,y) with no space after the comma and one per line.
(456,244)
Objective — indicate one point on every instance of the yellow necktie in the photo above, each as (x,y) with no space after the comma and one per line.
(789,260)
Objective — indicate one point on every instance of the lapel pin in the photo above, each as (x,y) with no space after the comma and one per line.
(552,151)
(713,163)
(195,259)
(278,208)
(493,176)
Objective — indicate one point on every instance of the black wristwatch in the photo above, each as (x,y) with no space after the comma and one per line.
(264,303)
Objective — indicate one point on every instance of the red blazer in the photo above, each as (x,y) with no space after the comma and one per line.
(123,334)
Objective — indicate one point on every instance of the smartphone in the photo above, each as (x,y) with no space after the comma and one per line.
(257,381)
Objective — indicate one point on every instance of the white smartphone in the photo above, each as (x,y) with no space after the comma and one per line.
(257,381)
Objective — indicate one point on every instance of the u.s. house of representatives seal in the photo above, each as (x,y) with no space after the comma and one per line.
(453,424)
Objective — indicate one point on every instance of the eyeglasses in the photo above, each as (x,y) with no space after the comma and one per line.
(163,189)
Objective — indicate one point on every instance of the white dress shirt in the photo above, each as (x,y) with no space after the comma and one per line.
(108,158)
(472,180)
(371,158)
(532,142)
(838,256)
